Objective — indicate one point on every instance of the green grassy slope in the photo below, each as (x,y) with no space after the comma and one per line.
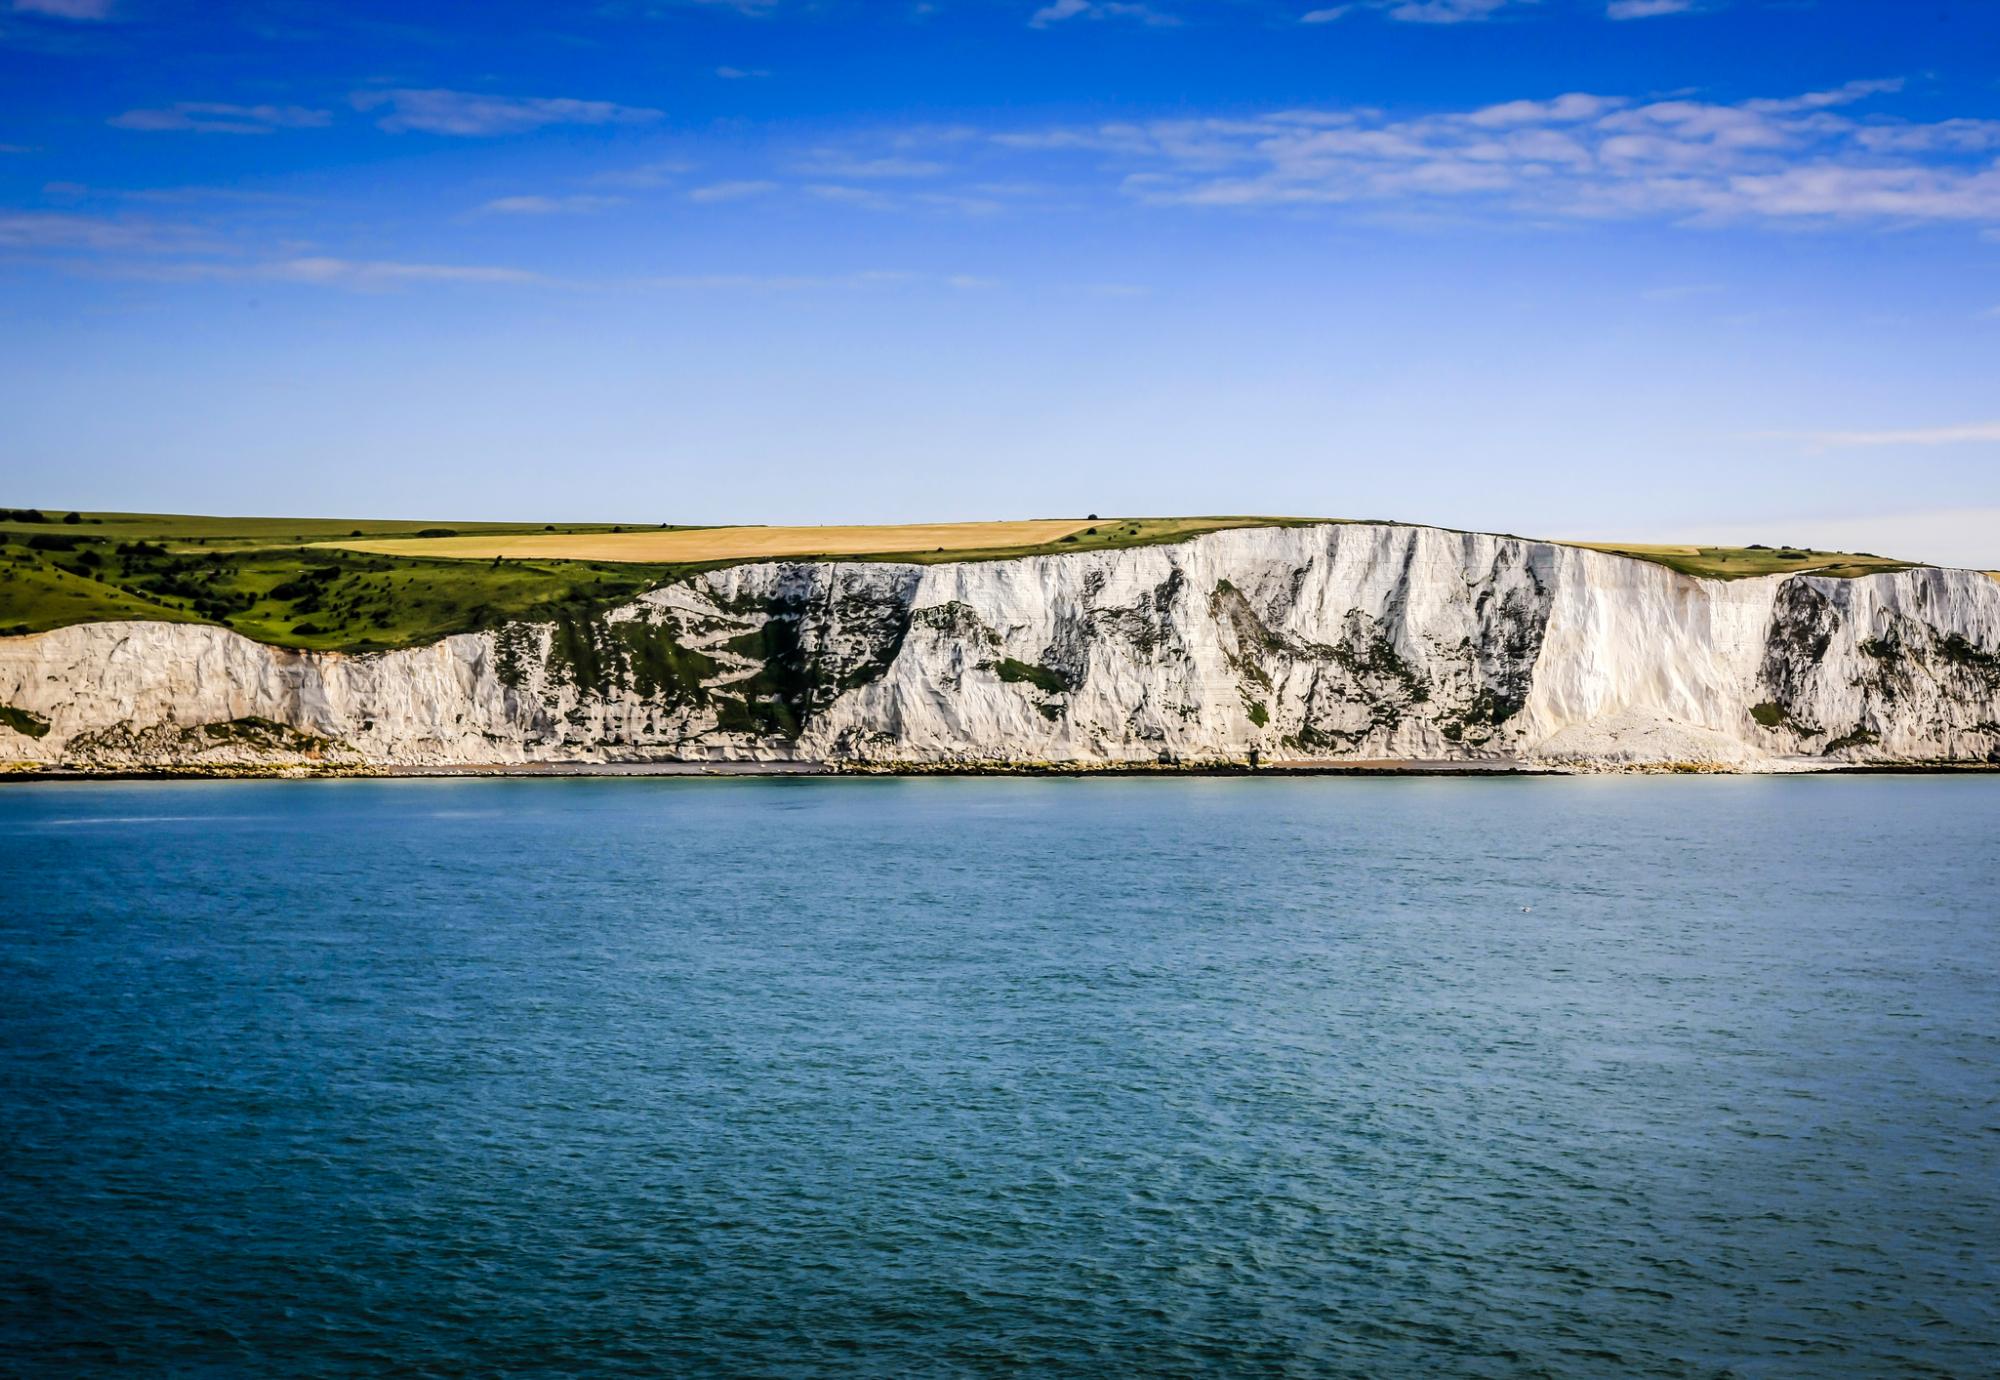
(258,576)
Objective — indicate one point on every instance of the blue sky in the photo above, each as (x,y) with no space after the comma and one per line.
(1646,269)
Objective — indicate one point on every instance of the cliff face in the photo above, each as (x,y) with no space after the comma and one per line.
(1354,642)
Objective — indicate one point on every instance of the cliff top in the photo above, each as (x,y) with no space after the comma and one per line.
(368,585)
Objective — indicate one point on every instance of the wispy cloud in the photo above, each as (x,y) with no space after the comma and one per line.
(824,163)
(377,274)
(355,275)
(46,231)
(1679,292)
(1449,11)
(775,282)
(550,205)
(731,191)
(470,114)
(83,11)
(1797,159)
(1646,9)
(742,73)
(865,197)
(871,278)
(1327,15)
(1059,10)
(1975,432)
(658,173)
(216,117)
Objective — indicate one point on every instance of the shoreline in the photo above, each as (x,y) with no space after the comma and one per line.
(697,770)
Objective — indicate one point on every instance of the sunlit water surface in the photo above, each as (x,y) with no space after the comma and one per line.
(968,1077)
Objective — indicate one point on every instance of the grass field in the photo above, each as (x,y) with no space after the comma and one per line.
(1737,562)
(266,579)
(349,585)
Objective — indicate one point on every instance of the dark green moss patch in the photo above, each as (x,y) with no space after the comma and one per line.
(21,721)
(1045,679)
(1769,714)
(1956,650)
(1860,737)
(265,734)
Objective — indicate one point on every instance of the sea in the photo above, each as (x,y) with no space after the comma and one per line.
(1104,1076)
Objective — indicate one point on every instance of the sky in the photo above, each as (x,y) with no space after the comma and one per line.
(1624,269)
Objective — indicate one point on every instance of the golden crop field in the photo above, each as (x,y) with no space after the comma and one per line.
(697,545)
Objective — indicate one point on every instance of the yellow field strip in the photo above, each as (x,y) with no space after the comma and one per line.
(1637,548)
(695,545)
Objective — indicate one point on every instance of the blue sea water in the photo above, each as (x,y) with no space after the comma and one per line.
(1441,1077)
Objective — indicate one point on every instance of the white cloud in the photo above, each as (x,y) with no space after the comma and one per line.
(741,73)
(1646,9)
(731,191)
(216,117)
(1961,136)
(80,10)
(550,205)
(1799,159)
(358,275)
(1059,10)
(377,274)
(51,232)
(470,114)
(1447,11)
(1325,16)
(1563,110)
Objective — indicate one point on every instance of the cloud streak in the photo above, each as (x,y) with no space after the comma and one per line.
(81,11)
(467,114)
(1448,11)
(1806,158)
(216,117)
(54,232)
(1646,9)
(1971,433)
(1060,10)
(580,204)
(731,191)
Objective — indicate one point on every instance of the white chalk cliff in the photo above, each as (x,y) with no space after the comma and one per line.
(1356,642)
